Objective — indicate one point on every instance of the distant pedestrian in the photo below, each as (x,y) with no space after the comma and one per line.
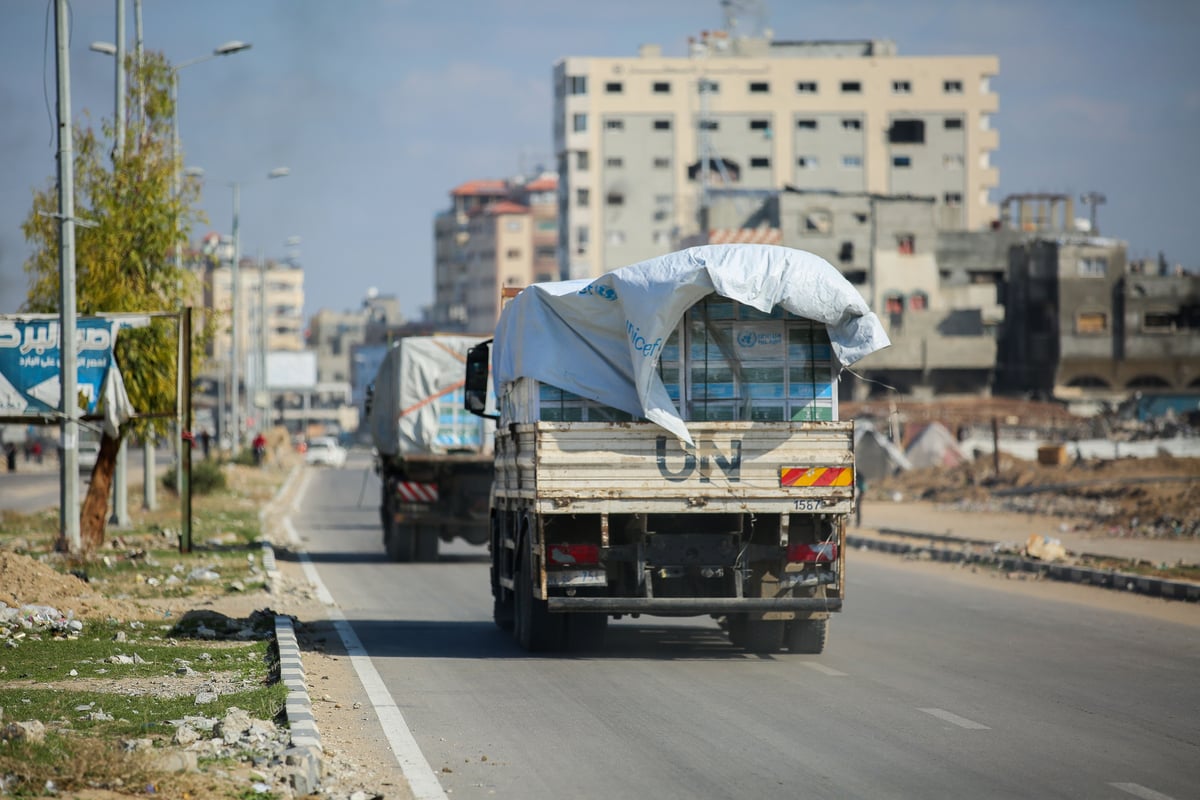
(205,442)
(10,454)
(260,449)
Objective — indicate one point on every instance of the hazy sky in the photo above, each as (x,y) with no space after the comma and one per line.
(380,108)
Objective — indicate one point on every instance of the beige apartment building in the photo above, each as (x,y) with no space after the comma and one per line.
(282,307)
(498,234)
(643,142)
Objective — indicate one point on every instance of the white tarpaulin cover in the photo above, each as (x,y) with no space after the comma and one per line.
(601,339)
(418,405)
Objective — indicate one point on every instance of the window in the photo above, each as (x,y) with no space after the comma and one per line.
(806,87)
(582,197)
(662,239)
(577,84)
(614,124)
(760,162)
(1158,322)
(952,198)
(851,87)
(806,124)
(614,87)
(852,124)
(906,244)
(760,125)
(708,125)
(918,301)
(513,226)
(709,87)
(581,236)
(1091,322)
(846,253)
(806,162)
(615,236)
(759,87)
(901,87)
(614,163)
(615,198)
(953,123)
(1093,267)
(662,163)
(852,162)
(512,252)
(581,160)
(818,221)
(579,123)
(902,162)
(860,218)
(907,131)
(662,124)
(662,87)
(952,161)
(660,215)
(952,87)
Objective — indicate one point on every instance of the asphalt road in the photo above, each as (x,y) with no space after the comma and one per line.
(930,687)
(35,487)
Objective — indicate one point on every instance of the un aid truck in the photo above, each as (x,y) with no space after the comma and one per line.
(433,458)
(668,444)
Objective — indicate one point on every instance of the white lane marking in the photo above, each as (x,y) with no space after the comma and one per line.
(955,719)
(823,669)
(1141,791)
(420,776)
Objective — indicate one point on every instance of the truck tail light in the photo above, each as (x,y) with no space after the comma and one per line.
(572,555)
(821,551)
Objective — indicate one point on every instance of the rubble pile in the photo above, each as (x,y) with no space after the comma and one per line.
(1145,498)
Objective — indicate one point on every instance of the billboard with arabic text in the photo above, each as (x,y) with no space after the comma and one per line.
(30,362)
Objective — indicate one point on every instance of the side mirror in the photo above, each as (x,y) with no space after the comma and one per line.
(476,386)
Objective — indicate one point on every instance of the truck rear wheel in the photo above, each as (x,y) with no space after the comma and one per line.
(756,635)
(398,540)
(807,635)
(535,628)
(425,545)
(586,631)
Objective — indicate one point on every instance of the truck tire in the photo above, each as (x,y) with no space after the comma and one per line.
(399,542)
(586,631)
(756,635)
(807,635)
(425,544)
(502,600)
(535,628)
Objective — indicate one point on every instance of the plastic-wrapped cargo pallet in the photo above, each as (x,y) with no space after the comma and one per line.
(699,334)
(417,406)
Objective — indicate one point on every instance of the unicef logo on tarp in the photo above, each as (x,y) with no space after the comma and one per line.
(603,292)
(747,338)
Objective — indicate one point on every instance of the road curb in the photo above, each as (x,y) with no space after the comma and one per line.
(306,751)
(951,549)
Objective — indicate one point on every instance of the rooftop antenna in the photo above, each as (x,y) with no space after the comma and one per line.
(1092,199)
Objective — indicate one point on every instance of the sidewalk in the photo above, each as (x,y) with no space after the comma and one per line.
(931,519)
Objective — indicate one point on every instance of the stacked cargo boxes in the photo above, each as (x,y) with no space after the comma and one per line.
(725,362)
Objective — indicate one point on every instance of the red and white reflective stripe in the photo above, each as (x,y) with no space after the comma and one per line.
(411,492)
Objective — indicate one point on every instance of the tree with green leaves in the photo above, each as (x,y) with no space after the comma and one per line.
(132,221)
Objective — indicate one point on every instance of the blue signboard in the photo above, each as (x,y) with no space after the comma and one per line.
(30,362)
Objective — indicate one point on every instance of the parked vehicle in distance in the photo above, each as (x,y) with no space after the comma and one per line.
(325,451)
(89,452)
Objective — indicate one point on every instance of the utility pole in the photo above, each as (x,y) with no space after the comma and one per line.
(69,424)
(235,329)
(120,487)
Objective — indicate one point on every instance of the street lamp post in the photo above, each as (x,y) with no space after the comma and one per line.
(235,288)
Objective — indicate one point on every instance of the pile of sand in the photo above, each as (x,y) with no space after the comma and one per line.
(26,581)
